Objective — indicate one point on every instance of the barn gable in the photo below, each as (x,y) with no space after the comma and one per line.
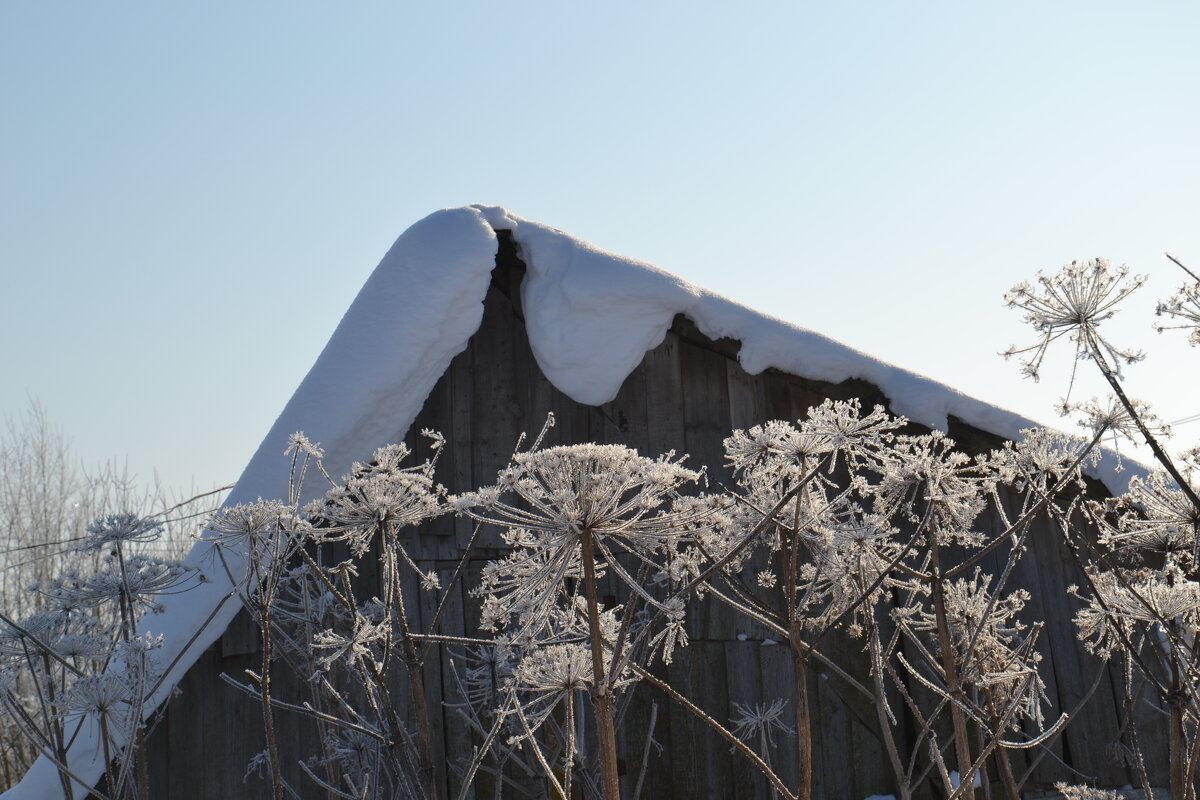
(477,324)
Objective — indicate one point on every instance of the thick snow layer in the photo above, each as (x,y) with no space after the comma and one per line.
(591,315)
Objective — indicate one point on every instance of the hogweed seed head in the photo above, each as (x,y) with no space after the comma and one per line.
(124,528)
(1074,302)
(760,721)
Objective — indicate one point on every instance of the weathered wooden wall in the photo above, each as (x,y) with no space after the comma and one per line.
(687,395)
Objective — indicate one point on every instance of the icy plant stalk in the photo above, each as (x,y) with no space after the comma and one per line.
(1075,302)
(858,514)
(342,646)
(375,504)
(1146,614)
(574,512)
(262,534)
(1146,608)
(84,656)
(814,532)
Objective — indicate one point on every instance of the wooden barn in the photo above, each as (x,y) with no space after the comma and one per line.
(477,324)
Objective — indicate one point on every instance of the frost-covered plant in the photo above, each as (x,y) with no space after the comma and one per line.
(1156,516)
(964,642)
(762,721)
(263,536)
(1141,599)
(1086,793)
(1074,302)
(827,555)
(1183,307)
(1149,617)
(571,515)
(1128,606)
(991,651)
(48,500)
(81,659)
(309,611)
(1077,300)
(864,545)
(759,724)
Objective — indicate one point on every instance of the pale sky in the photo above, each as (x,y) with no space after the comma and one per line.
(191,195)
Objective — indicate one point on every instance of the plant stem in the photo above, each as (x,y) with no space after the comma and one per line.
(962,741)
(1151,440)
(606,733)
(143,765)
(881,711)
(803,716)
(268,715)
(108,774)
(1178,736)
(1004,765)
(416,673)
(56,728)
(789,555)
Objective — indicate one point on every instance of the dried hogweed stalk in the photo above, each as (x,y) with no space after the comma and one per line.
(992,652)
(570,514)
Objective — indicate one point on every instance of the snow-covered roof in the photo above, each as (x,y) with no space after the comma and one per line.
(591,315)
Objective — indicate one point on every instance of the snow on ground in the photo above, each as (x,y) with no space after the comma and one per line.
(591,315)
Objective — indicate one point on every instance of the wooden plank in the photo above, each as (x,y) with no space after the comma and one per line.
(212,724)
(625,417)
(1095,726)
(664,397)
(801,396)
(775,396)
(1153,735)
(633,733)
(472,606)
(495,413)
(704,380)
(747,408)
(744,687)
(458,745)
(831,741)
(459,474)
(747,402)
(698,672)
(706,408)
(994,564)
(438,415)
(241,637)
(775,670)
(421,605)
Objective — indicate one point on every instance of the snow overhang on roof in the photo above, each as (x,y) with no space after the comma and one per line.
(591,315)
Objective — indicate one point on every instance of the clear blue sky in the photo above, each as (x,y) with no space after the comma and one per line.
(191,194)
